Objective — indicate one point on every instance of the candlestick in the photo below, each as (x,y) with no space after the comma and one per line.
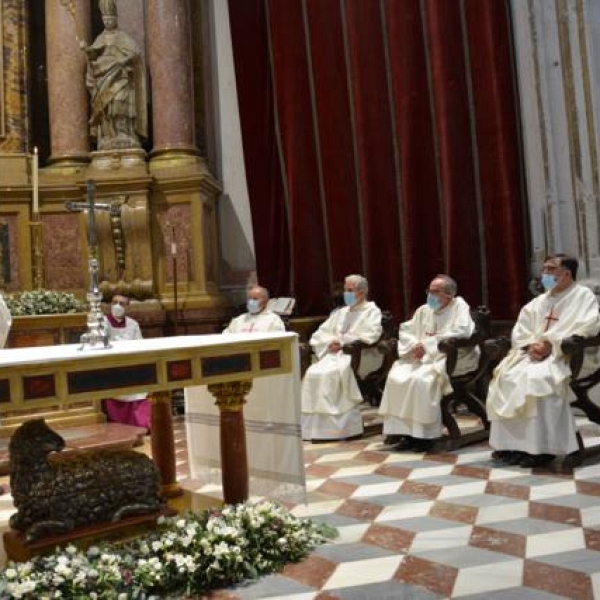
(35,182)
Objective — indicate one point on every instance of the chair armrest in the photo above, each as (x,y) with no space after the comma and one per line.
(354,349)
(497,348)
(574,347)
(450,347)
(387,347)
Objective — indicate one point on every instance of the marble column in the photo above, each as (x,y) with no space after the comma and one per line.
(66,24)
(170,61)
(559,96)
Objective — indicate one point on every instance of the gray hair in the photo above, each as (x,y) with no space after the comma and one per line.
(264,292)
(359,281)
(450,286)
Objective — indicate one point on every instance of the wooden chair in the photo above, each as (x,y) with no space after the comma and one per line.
(371,386)
(468,389)
(575,348)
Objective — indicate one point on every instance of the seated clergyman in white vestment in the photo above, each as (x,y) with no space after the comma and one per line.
(271,416)
(417,381)
(5,322)
(529,397)
(331,397)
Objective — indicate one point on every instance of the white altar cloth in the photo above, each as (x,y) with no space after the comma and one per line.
(272,419)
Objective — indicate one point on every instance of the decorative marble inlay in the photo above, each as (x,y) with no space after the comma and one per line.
(223,365)
(64,256)
(39,386)
(270,359)
(4,390)
(105,379)
(178,370)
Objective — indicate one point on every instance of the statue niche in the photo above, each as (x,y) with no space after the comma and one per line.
(57,494)
(116,82)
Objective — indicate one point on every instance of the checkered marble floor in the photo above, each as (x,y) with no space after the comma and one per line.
(436,525)
(442,525)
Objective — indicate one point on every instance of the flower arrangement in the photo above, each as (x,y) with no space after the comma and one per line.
(43,302)
(185,556)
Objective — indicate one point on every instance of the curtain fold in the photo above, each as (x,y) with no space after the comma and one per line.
(381,137)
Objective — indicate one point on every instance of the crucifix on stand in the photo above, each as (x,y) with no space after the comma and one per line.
(96,331)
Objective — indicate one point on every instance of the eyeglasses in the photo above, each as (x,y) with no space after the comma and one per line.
(435,292)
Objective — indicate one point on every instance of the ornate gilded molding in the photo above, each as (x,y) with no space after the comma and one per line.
(230,396)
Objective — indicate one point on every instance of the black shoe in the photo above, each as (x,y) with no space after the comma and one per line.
(501,455)
(420,445)
(536,460)
(515,457)
(406,443)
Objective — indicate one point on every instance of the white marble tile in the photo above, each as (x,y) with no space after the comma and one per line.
(503,512)
(351,533)
(503,473)
(407,510)
(377,489)
(313,484)
(590,516)
(434,471)
(357,470)
(317,508)
(451,537)
(462,489)
(471,457)
(587,472)
(556,541)
(363,572)
(336,457)
(487,578)
(552,490)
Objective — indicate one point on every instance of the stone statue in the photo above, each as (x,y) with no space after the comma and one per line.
(116,81)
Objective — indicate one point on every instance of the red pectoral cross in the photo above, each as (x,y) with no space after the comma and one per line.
(431,332)
(550,317)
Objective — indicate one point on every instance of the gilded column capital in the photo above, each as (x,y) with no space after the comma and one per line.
(230,396)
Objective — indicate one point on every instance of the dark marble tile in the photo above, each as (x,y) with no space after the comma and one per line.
(552,512)
(359,510)
(454,512)
(391,538)
(557,580)
(498,541)
(435,577)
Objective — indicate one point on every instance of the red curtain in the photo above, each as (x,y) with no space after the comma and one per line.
(381,137)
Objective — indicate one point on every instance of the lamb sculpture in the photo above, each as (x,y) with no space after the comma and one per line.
(58,493)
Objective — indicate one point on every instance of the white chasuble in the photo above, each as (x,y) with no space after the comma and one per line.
(529,401)
(414,388)
(330,393)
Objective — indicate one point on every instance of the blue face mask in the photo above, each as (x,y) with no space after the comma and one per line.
(548,281)
(350,298)
(253,306)
(433,302)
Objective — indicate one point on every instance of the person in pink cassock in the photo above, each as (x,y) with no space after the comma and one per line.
(131,409)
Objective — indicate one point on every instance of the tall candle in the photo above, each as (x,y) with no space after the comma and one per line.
(35,184)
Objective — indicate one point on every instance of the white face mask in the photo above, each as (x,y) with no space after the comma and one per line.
(117,311)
